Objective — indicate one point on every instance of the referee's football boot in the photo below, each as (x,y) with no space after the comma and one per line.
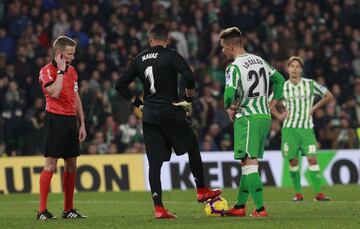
(204,194)
(45,215)
(321,197)
(73,214)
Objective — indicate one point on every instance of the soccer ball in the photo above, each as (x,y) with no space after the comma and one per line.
(216,207)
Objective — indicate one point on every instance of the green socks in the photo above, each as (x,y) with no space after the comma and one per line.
(315,177)
(250,183)
(295,178)
(256,188)
(243,193)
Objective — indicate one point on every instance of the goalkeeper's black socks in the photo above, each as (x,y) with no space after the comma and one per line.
(155,182)
(196,166)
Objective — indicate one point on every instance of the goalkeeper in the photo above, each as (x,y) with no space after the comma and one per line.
(164,117)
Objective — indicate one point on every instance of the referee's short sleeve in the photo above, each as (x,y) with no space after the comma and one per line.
(46,77)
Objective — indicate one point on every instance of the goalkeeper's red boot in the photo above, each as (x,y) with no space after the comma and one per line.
(204,194)
(163,213)
(239,212)
(321,197)
(257,214)
(298,197)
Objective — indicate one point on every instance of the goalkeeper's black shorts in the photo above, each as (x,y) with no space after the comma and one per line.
(160,139)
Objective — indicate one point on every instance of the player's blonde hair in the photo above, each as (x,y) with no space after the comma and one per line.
(295,58)
(231,35)
(61,42)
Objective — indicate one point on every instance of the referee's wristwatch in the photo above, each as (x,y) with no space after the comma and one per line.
(60,72)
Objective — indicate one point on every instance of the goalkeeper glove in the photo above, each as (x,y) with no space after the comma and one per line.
(186,104)
(137,103)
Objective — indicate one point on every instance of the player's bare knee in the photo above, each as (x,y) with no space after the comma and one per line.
(70,169)
(312,160)
(294,162)
(251,161)
(70,165)
(50,164)
(50,167)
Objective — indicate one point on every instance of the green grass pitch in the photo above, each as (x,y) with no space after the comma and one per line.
(134,210)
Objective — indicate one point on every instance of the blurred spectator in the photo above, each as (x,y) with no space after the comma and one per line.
(92,149)
(7,45)
(61,26)
(274,139)
(35,129)
(99,142)
(192,39)
(110,130)
(128,131)
(208,108)
(180,40)
(76,33)
(18,18)
(208,144)
(13,117)
(344,136)
(226,143)
(23,66)
(113,148)
(215,72)
(215,133)
(135,145)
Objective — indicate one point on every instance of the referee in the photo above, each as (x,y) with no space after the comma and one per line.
(63,113)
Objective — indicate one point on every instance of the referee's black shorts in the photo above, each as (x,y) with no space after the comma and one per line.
(61,136)
(159,139)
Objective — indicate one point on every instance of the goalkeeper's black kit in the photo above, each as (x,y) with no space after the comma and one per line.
(164,125)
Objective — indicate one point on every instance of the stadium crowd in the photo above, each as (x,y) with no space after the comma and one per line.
(325,33)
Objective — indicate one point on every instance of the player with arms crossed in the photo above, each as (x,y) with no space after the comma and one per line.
(62,135)
(164,122)
(246,100)
(297,133)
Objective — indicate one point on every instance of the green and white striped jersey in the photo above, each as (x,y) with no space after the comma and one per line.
(249,75)
(299,100)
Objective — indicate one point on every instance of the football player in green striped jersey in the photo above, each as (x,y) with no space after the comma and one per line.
(246,100)
(297,132)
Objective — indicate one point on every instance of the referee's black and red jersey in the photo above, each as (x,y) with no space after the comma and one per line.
(65,103)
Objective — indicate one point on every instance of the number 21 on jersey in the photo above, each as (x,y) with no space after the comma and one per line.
(254,77)
(150,75)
